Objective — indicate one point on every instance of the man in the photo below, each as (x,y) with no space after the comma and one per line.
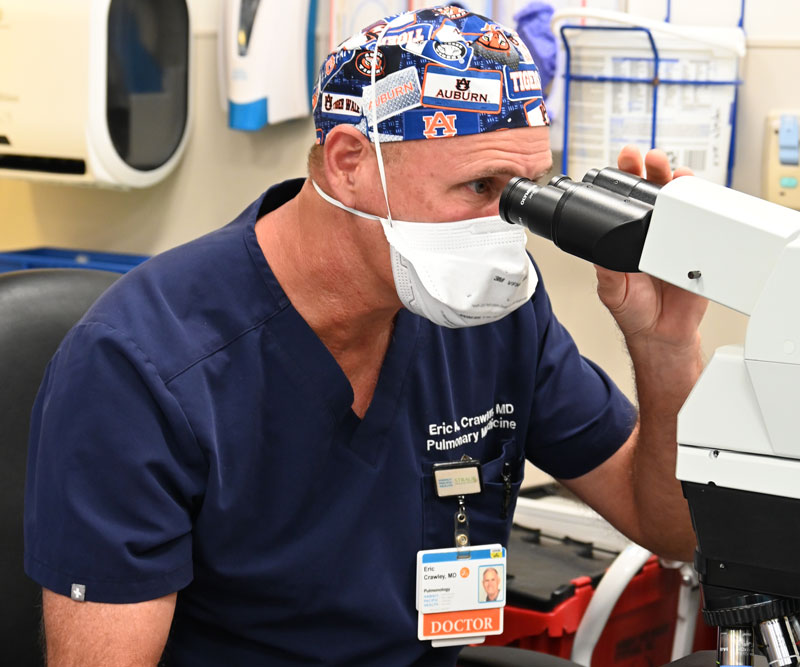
(260,401)
(491,584)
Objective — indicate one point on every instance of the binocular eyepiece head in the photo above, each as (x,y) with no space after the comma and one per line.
(603,219)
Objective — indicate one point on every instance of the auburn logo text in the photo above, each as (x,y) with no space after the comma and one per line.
(440,121)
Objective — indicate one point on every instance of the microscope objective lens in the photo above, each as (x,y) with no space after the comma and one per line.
(780,641)
(735,647)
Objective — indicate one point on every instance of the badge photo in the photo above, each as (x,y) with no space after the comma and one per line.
(491,580)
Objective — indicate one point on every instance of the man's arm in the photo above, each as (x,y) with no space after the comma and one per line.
(636,489)
(93,634)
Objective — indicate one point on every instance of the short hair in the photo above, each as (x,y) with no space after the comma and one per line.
(316,159)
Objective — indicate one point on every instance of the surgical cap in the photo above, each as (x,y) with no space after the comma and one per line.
(440,72)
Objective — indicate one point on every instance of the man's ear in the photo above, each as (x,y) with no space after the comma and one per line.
(347,154)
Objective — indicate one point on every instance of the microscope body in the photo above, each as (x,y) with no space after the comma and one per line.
(739,429)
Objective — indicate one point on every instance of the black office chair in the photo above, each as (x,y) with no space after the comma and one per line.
(37,308)
(507,656)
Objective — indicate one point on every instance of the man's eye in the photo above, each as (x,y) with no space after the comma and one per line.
(479,187)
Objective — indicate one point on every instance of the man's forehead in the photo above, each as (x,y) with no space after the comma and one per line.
(521,139)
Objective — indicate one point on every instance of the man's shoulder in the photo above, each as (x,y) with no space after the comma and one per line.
(187,302)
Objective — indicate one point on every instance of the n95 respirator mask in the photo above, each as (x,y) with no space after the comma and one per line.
(456,274)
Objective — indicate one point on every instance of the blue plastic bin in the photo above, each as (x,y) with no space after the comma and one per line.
(55,258)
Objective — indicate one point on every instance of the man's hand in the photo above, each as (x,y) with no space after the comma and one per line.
(660,324)
(646,308)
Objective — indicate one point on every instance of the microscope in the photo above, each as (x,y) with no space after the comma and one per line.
(739,429)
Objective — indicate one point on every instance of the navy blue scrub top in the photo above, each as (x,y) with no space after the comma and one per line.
(193,434)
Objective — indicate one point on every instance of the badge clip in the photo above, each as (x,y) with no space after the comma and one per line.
(458,478)
(461,530)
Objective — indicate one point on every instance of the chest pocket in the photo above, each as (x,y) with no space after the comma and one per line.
(487,524)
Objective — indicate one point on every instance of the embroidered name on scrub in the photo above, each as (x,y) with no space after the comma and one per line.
(470,429)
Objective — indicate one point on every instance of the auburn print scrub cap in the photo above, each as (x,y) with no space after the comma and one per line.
(439,72)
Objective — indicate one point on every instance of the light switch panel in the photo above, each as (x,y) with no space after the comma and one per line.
(781,168)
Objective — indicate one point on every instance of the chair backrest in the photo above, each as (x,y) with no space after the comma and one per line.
(37,308)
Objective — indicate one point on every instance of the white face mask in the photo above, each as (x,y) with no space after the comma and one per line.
(456,274)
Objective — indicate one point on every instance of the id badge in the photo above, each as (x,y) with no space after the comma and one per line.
(458,478)
(460,594)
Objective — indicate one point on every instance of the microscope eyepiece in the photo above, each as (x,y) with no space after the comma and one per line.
(623,183)
(527,204)
(586,219)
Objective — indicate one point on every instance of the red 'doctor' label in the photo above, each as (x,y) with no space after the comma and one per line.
(462,623)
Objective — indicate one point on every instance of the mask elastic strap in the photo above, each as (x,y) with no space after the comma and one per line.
(339,204)
(376,133)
